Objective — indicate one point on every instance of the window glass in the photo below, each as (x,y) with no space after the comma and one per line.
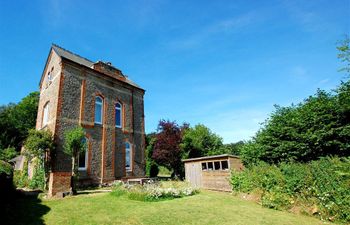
(210,165)
(98,110)
(217,165)
(46,114)
(224,165)
(204,166)
(82,160)
(118,115)
(127,156)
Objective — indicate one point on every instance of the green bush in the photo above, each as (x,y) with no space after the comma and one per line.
(20,178)
(8,153)
(154,191)
(325,182)
(5,168)
(6,182)
(38,179)
(276,199)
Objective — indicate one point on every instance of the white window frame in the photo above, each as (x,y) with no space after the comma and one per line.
(86,156)
(130,157)
(100,104)
(46,109)
(120,109)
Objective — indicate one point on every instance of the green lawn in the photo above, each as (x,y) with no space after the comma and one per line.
(204,208)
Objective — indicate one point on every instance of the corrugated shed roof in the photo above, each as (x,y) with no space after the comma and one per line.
(210,157)
(64,53)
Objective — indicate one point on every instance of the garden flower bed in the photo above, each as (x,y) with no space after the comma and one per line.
(154,191)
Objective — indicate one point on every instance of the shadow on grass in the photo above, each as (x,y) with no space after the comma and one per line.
(23,209)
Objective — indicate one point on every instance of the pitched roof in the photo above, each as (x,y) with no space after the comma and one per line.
(71,56)
(63,53)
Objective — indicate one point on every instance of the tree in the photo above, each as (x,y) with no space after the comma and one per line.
(344,53)
(16,120)
(39,145)
(74,144)
(200,141)
(167,151)
(152,169)
(8,154)
(233,148)
(319,126)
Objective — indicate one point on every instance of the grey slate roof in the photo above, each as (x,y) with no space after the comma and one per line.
(71,56)
(82,61)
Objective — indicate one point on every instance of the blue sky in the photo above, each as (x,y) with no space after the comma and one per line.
(220,63)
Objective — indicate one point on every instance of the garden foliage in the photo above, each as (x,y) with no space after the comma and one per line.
(317,127)
(321,186)
(154,191)
(16,120)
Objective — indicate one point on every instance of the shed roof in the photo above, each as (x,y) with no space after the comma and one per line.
(210,157)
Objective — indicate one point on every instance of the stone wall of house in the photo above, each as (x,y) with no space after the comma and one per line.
(106,156)
(49,91)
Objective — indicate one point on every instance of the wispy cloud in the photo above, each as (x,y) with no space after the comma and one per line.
(304,14)
(229,25)
(298,74)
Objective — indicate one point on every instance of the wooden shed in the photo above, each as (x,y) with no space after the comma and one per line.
(212,172)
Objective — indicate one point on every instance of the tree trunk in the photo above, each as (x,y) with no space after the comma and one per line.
(74,177)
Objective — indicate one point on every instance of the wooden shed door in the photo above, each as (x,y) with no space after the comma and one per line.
(195,174)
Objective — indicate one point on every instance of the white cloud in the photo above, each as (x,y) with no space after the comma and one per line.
(197,37)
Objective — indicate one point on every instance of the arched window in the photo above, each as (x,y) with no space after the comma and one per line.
(98,109)
(46,114)
(118,115)
(128,156)
(83,156)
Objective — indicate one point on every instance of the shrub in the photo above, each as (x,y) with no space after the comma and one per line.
(5,168)
(6,183)
(38,179)
(324,182)
(154,191)
(276,199)
(8,153)
(20,178)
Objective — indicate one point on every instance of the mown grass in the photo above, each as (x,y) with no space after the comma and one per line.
(204,208)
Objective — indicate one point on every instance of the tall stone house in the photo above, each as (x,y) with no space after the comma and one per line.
(107,104)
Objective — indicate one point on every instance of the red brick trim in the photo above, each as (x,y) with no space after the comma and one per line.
(82,102)
(132,112)
(59,100)
(88,166)
(104,131)
(113,152)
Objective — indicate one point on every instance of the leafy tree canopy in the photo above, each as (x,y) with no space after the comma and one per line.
(38,142)
(200,141)
(16,120)
(74,141)
(167,151)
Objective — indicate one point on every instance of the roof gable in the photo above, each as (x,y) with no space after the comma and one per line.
(66,54)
